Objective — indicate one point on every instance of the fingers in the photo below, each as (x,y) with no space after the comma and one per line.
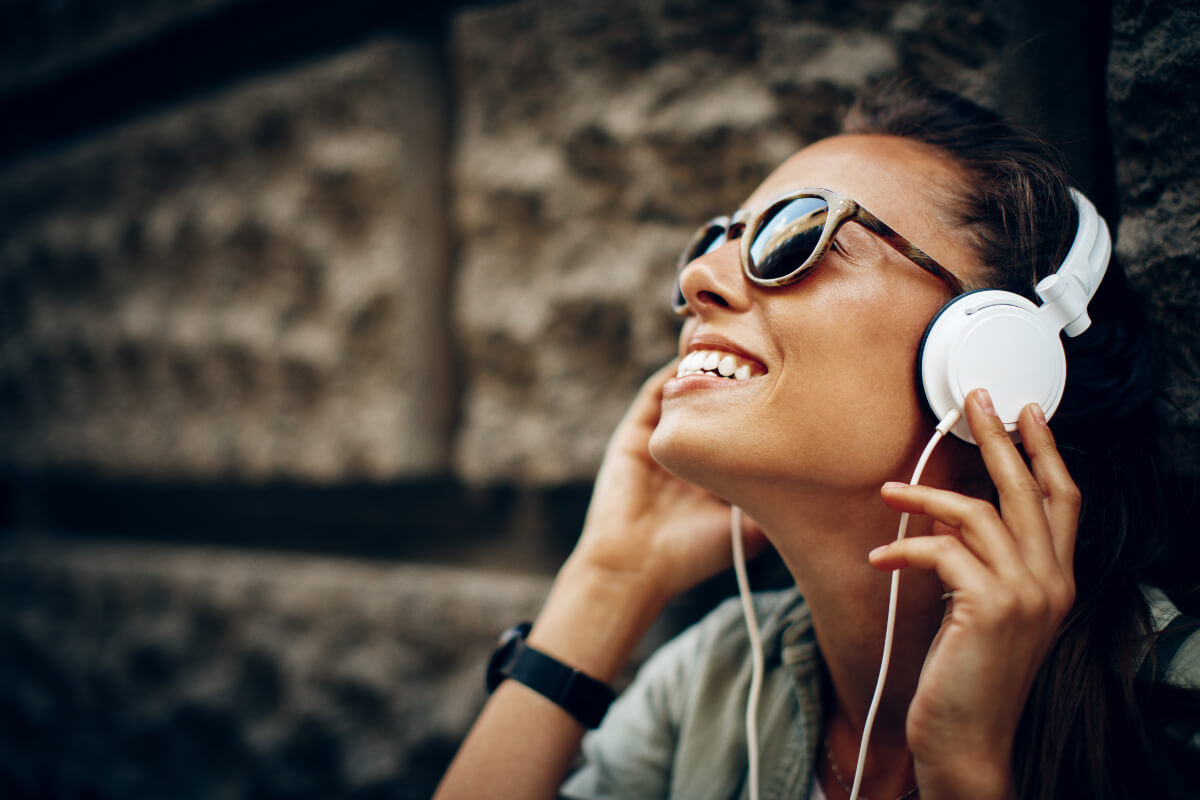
(1041,507)
(1027,542)
(976,520)
(1062,499)
(954,564)
(1020,495)
(652,387)
(1037,606)
(647,405)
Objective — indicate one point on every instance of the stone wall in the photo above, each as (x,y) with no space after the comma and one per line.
(137,671)
(1155,59)
(574,193)
(254,285)
(434,264)
(250,286)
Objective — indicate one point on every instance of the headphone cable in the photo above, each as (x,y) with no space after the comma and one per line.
(756,670)
(947,422)
(756,649)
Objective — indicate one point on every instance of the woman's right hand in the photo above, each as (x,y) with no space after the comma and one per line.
(644,524)
(648,537)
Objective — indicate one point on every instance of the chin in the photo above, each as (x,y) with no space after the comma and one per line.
(697,457)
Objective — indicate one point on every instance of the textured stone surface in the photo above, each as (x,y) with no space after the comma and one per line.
(249,286)
(591,140)
(141,672)
(1155,113)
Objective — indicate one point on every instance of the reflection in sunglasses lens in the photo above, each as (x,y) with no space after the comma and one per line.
(678,302)
(788,237)
(704,241)
(712,238)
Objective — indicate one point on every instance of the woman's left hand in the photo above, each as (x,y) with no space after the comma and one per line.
(1011,574)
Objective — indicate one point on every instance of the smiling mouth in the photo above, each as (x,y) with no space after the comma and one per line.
(719,364)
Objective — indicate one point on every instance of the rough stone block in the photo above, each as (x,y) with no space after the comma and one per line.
(250,285)
(1155,115)
(591,140)
(132,671)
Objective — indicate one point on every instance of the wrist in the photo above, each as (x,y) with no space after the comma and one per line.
(594,618)
(577,693)
(986,779)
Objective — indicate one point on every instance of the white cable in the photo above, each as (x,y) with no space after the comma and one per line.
(948,422)
(756,650)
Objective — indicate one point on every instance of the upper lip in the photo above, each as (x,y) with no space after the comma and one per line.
(713,341)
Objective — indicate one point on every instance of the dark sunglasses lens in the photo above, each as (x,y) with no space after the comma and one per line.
(705,240)
(787,237)
(678,301)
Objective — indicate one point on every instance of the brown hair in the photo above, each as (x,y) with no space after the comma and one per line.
(1091,726)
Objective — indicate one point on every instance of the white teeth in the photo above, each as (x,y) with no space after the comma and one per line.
(713,362)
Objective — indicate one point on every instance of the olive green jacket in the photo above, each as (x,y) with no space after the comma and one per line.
(678,731)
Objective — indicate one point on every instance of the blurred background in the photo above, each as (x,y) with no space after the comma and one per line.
(315,318)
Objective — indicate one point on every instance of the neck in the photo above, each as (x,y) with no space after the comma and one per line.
(824,545)
(889,772)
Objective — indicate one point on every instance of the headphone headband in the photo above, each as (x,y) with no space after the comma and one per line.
(1066,293)
(1000,341)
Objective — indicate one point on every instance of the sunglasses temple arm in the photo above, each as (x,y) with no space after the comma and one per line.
(907,249)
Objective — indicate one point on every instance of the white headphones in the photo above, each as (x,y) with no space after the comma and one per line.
(999,341)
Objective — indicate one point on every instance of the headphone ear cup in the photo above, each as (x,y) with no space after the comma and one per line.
(994,340)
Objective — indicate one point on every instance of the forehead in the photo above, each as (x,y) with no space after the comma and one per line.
(903,182)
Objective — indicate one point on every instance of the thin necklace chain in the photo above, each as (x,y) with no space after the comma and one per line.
(837,774)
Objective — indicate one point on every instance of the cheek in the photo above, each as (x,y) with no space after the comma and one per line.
(867,335)
(854,374)
(884,359)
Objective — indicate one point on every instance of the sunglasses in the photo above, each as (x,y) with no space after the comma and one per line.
(783,243)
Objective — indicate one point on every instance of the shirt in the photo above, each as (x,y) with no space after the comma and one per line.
(678,731)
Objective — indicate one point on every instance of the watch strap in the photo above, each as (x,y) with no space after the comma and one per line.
(577,693)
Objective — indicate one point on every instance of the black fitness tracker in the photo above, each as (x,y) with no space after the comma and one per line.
(580,695)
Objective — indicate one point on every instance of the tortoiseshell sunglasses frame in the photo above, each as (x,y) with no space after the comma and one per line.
(746,225)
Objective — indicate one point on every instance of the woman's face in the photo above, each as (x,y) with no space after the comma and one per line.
(833,404)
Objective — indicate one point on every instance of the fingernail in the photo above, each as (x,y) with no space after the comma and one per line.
(878,551)
(894,485)
(1038,416)
(985,401)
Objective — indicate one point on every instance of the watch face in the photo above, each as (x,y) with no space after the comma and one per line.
(502,658)
(515,632)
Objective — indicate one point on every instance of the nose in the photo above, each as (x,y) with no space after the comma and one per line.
(715,281)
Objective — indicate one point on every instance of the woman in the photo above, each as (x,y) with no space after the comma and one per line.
(1023,663)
